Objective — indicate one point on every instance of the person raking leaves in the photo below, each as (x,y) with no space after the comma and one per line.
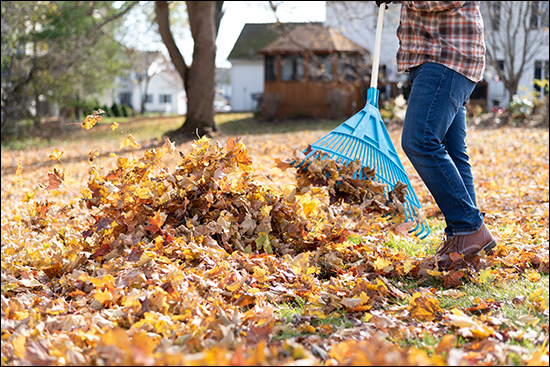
(442,47)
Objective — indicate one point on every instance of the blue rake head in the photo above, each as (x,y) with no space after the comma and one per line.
(364,137)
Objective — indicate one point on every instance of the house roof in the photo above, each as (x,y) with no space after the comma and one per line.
(313,37)
(254,36)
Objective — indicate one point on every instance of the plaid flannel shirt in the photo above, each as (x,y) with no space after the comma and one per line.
(444,32)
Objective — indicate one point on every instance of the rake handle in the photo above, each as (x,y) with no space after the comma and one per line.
(377,45)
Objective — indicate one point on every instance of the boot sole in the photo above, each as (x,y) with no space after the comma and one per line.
(488,248)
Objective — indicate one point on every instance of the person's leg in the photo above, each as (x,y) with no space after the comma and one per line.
(455,143)
(436,96)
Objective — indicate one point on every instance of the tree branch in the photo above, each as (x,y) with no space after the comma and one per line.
(112,17)
(163,20)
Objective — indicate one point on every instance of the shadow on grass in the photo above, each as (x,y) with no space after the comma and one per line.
(254,126)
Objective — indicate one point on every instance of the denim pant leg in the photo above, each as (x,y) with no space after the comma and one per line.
(455,144)
(434,123)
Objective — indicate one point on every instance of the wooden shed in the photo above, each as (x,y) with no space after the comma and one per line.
(313,71)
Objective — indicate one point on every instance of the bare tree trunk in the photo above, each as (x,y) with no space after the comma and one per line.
(199,78)
(144,95)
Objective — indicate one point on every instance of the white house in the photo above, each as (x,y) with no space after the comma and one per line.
(357,21)
(155,77)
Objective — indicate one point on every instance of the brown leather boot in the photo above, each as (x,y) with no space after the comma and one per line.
(468,244)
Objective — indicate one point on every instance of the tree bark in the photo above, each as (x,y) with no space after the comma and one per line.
(199,78)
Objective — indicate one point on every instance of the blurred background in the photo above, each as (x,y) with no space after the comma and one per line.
(278,59)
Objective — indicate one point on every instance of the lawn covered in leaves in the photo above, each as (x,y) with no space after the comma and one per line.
(121,250)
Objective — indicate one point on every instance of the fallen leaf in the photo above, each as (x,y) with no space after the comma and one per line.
(423,307)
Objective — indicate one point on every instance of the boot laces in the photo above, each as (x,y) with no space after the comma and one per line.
(450,244)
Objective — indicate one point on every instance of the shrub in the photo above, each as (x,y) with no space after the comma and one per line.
(116,111)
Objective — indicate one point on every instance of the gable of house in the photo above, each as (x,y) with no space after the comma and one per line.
(313,37)
(254,36)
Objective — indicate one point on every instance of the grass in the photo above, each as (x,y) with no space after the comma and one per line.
(154,127)
(245,123)
(293,321)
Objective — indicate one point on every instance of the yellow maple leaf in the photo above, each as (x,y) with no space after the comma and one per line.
(259,273)
(407,266)
(309,208)
(18,344)
(114,126)
(434,273)
(129,141)
(86,193)
(92,154)
(380,263)
(486,276)
(143,193)
(56,154)
(19,169)
(28,196)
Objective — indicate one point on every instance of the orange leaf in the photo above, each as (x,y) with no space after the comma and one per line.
(445,344)
(455,256)
(54,181)
(53,270)
(155,222)
(103,296)
(452,279)
(169,147)
(282,165)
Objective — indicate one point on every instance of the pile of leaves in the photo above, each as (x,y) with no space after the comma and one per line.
(213,195)
(147,265)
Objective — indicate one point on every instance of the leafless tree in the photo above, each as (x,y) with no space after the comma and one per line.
(515,31)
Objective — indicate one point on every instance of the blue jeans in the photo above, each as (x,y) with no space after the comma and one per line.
(434,140)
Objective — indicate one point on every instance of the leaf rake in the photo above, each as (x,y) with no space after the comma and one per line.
(364,138)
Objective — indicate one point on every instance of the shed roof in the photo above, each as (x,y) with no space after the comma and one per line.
(313,37)
(254,36)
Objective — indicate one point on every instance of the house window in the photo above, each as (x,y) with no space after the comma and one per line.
(125,98)
(347,68)
(292,67)
(320,67)
(165,98)
(541,73)
(149,98)
(500,64)
(539,14)
(270,68)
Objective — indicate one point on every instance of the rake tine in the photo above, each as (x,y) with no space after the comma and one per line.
(423,232)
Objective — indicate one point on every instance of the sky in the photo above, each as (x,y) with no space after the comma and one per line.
(237,14)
